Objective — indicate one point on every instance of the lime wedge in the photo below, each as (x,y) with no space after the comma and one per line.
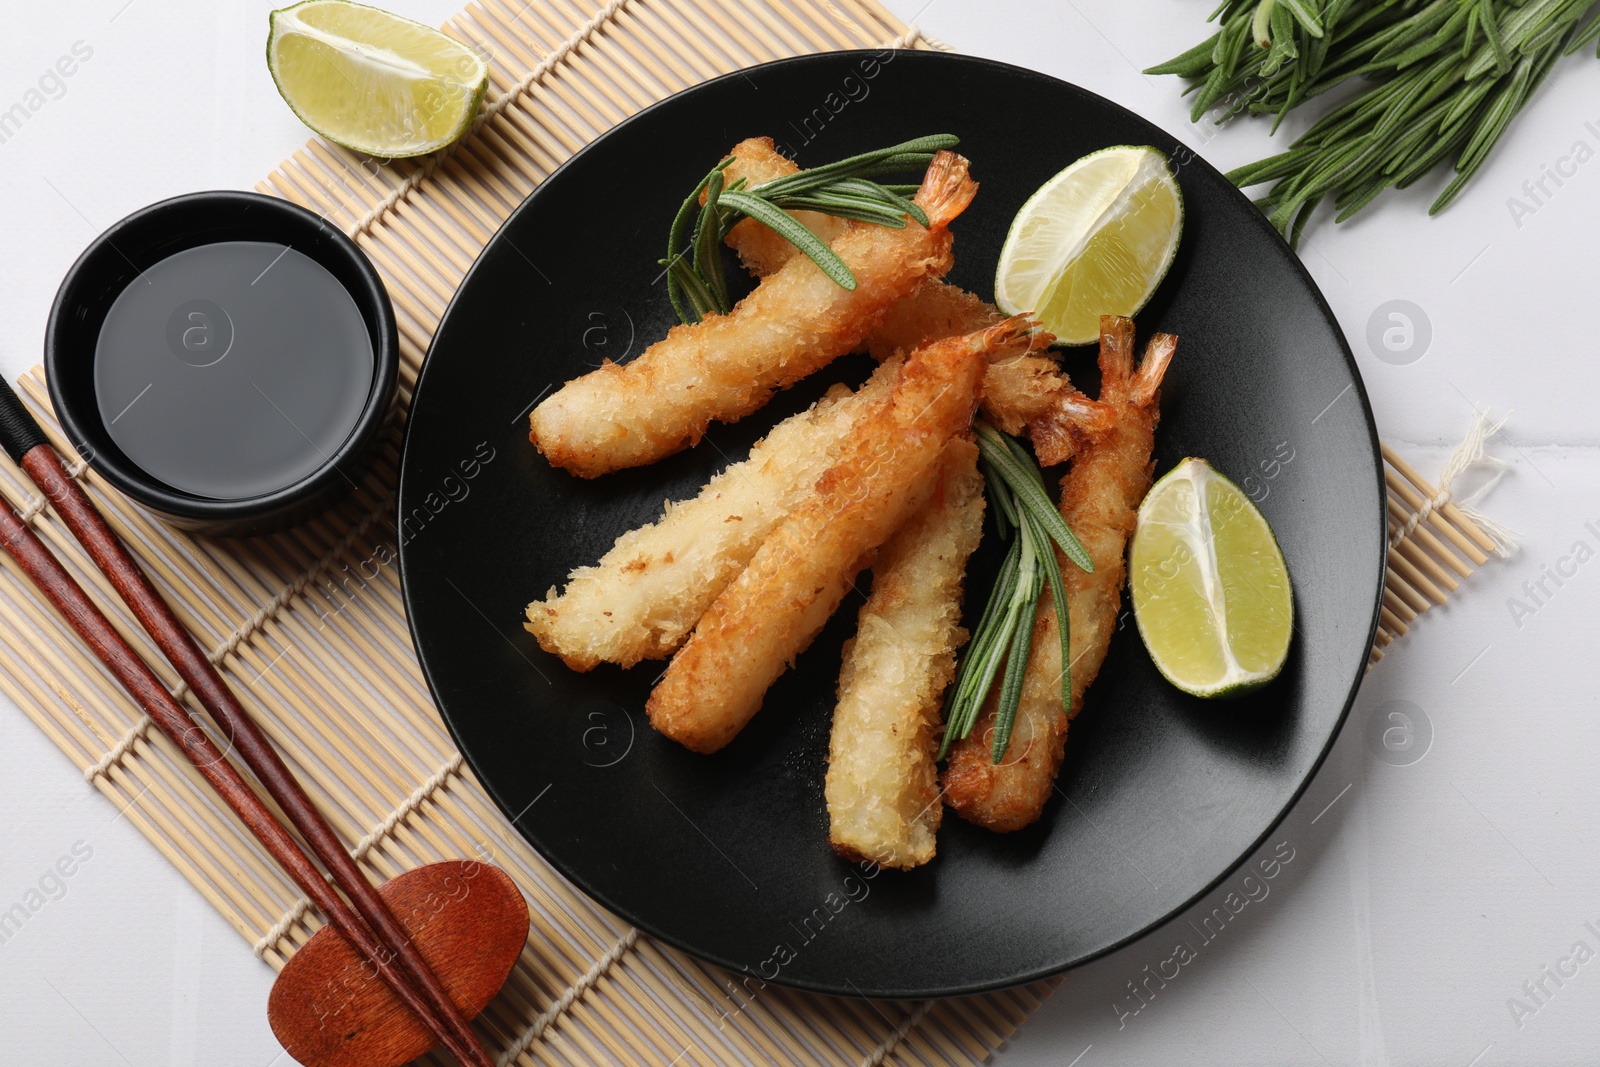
(1094,240)
(1210,589)
(372,81)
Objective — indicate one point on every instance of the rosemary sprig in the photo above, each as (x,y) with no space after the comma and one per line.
(1004,634)
(1445,79)
(696,284)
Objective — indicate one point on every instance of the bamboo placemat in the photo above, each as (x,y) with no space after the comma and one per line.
(309,628)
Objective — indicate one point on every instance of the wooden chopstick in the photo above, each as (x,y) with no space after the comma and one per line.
(412,981)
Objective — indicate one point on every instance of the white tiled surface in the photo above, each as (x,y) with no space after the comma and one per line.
(1419,898)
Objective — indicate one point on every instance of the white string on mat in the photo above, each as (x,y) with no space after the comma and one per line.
(269,611)
(281,928)
(569,996)
(581,36)
(1470,453)
(231,643)
(113,756)
(892,1042)
(419,796)
(914,34)
(36,504)
(407,808)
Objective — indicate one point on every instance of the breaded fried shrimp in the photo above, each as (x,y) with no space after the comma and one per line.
(772,611)
(882,785)
(645,595)
(759,247)
(722,368)
(1022,391)
(1100,499)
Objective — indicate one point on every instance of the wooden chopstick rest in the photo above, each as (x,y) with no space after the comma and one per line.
(467,920)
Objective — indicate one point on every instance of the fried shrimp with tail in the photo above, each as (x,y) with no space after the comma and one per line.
(726,366)
(645,595)
(1021,392)
(1100,498)
(758,246)
(776,606)
(883,784)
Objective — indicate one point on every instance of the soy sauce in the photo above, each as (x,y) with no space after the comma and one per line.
(234,369)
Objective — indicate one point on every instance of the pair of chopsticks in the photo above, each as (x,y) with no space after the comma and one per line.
(375,933)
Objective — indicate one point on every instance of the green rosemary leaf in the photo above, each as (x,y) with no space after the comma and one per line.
(678,238)
(1030,494)
(1462,107)
(1025,602)
(908,161)
(855,165)
(708,244)
(1354,200)
(701,302)
(785,226)
(1058,604)
(1283,47)
(1270,169)
(675,293)
(1415,169)
(848,199)
(1261,24)
(984,653)
(1584,35)
(1190,63)
(1297,224)
(839,209)
(1306,15)
(1005,511)
(874,191)
(1430,87)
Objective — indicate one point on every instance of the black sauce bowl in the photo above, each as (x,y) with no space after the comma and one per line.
(137,243)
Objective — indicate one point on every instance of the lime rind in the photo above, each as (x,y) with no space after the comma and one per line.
(1058,223)
(371,81)
(1211,592)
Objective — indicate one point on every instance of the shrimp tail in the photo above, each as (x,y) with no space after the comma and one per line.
(1147,381)
(1074,423)
(947,189)
(1116,356)
(1019,332)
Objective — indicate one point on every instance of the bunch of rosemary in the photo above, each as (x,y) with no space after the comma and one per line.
(1004,634)
(695,280)
(1445,78)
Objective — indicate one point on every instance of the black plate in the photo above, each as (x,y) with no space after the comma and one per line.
(726,856)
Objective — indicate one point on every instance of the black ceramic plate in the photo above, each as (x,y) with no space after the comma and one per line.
(726,856)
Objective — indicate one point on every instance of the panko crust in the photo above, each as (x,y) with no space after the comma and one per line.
(1100,498)
(724,367)
(772,611)
(1024,391)
(882,784)
(645,595)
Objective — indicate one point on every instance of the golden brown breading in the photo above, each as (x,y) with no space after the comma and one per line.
(646,594)
(882,785)
(1100,499)
(1021,391)
(726,366)
(760,248)
(772,611)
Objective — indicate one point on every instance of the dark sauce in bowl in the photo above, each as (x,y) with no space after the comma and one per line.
(232,369)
